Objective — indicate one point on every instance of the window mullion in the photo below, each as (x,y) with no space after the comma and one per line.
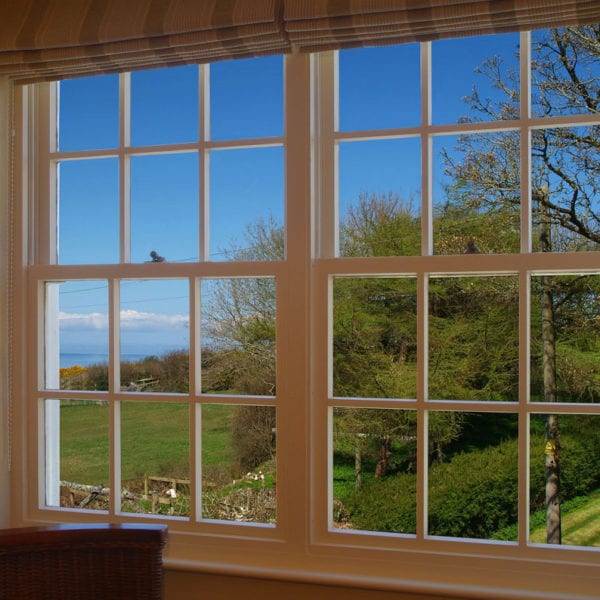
(524,378)
(114,430)
(293,288)
(195,408)
(204,163)
(44,101)
(125,166)
(426,152)
(326,159)
(422,395)
(525,141)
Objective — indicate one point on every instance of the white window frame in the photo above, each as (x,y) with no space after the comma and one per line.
(303,545)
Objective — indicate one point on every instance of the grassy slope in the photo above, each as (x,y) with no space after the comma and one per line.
(155,440)
(580,527)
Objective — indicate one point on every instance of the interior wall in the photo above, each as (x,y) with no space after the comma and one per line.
(206,586)
(4,269)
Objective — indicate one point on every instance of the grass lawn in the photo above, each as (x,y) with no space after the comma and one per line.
(154,441)
(344,478)
(580,527)
(84,443)
(216,434)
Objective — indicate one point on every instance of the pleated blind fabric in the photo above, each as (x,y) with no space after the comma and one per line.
(314,25)
(53,39)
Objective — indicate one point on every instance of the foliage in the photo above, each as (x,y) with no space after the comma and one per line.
(253,435)
(579,451)
(243,501)
(167,373)
(386,225)
(473,338)
(473,335)
(475,494)
(576,516)
(484,168)
(170,372)
(577,332)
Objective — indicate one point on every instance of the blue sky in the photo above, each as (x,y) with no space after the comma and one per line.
(379,88)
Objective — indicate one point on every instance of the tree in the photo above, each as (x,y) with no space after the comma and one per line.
(384,225)
(565,186)
(375,341)
(238,317)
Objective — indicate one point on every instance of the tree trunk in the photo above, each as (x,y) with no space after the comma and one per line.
(552,449)
(384,456)
(357,465)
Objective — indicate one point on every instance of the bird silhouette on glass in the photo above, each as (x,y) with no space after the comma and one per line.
(156,257)
(472,248)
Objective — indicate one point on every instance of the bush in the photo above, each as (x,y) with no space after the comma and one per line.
(253,435)
(471,496)
(388,504)
(171,371)
(475,494)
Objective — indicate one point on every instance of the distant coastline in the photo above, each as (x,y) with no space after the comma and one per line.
(70,359)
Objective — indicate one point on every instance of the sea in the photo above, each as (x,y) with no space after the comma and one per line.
(70,359)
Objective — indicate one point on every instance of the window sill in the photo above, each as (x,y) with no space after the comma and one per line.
(452,575)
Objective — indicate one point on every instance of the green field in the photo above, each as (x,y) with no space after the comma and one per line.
(580,525)
(155,440)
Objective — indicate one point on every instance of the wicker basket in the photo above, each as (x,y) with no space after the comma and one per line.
(74,562)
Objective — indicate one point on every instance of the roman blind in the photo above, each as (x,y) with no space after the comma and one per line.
(52,39)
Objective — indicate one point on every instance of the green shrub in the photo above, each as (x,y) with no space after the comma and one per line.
(388,504)
(475,494)
(472,496)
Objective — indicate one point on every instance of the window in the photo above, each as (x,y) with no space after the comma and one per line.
(349,298)
(160,376)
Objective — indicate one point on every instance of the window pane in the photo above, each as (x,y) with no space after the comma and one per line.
(474,338)
(246,98)
(88,211)
(476,193)
(154,332)
(238,336)
(473,475)
(247,204)
(380,197)
(88,113)
(565,480)
(373,85)
(565,71)
(374,469)
(565,189)
(565,338)
(238,463)
(475,79)
(164,106)
(77,450)
(155,458)
(164,207)
(76,335)
(375,337)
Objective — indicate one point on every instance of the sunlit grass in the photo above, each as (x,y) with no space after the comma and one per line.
(580,526)
(216,434)
(155,440)
(84,448)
